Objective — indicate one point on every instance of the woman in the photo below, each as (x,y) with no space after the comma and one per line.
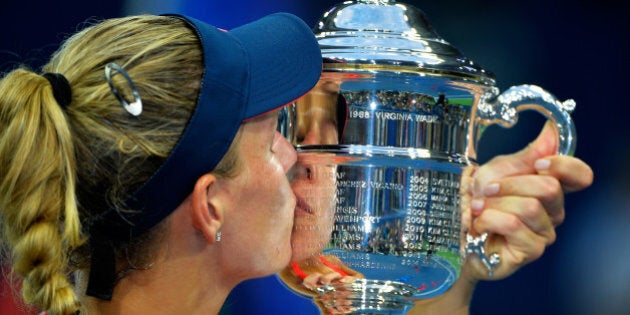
(142,173)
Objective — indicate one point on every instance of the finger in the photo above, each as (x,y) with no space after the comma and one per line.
(311,281)
(465,193)
(572,172)
(545,189)
(516,244)
(519,163)
(347,279)
(529,210)
(330,277)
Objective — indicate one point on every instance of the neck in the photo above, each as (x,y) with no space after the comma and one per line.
(183,287)
(163,291)
(185,277)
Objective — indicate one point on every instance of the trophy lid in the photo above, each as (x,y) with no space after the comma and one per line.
(386,35)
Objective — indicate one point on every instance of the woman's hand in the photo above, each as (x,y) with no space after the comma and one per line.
(315,280)
(518,199)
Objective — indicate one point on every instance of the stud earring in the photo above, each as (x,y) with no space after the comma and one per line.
(218,236)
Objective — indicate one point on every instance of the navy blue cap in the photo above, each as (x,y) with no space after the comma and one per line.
(249,71)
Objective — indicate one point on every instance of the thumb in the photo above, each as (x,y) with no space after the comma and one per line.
(545,144)
(519,163)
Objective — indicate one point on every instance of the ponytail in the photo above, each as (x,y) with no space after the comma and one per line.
(90,154)
(38,207)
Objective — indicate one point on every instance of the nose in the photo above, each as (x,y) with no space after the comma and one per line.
(286,152)
(314,134)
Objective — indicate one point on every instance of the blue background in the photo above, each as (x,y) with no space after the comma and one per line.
(575,49)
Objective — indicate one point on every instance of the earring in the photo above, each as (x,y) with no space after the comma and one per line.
(218,236)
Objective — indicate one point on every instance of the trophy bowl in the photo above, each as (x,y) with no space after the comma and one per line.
(386,142)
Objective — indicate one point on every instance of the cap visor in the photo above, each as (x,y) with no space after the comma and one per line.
(284,58)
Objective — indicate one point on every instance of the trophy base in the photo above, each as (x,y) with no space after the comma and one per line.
(364,296)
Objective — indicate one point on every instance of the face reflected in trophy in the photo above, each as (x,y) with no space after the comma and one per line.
(314,184)
(386,144)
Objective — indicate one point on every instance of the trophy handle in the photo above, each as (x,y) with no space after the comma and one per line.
(503,110)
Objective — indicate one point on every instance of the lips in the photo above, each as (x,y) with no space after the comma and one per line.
(303,206)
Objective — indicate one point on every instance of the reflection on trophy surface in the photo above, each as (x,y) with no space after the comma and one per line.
(386,144)
(314,186)
(356,216)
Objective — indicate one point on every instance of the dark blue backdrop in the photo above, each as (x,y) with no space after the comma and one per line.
(575,49)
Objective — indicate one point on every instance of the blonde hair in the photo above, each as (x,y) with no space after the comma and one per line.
(60,167)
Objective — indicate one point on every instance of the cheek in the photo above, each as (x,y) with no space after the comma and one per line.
(268,204)
(272,202)
(284,210)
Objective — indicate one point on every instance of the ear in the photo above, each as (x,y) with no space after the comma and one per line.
(207,211)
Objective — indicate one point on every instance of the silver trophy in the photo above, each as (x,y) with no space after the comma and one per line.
(384,142)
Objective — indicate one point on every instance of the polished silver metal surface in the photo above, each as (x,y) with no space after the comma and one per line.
(390,33)
(385,141)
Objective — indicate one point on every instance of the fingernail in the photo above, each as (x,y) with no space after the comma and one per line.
(542,164)
(476,206)
(491,189)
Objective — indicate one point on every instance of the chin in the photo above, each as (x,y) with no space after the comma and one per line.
(283,260)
